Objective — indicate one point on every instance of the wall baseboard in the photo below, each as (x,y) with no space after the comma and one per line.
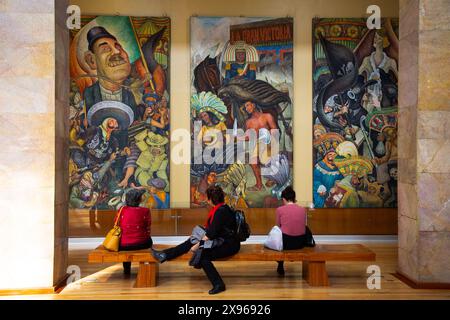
(26,291)
(57,288)
(420,285)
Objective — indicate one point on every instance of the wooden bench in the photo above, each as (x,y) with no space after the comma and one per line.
(313,259)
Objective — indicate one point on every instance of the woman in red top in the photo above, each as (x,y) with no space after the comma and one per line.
(135,222)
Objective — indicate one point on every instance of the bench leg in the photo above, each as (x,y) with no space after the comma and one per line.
(147,275)
(305,270)
(317,273)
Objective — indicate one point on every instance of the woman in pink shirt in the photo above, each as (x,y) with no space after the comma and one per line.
(291,219)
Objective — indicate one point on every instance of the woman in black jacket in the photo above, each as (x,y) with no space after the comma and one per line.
(220,225)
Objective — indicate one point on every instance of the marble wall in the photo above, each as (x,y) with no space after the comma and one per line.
(62,88)
(424,144)
(30,154)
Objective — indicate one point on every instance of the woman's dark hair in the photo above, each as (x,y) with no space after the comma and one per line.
(213,118)
(134,197)
(215,194)
(288,194)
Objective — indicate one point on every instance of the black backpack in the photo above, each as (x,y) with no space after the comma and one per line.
(242,227)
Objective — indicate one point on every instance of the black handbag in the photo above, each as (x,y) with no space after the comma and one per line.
(197,256)
(310,242)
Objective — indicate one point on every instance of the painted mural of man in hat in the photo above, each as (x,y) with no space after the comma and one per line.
(104,119)
(325,171)
(153,160)
(111,61)
(345,193)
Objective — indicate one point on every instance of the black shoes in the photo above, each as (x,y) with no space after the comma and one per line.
(159,255)
(217,289)
(280,270)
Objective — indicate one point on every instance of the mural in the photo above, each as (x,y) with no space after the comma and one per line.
(119,111)
(355,74)
(241,83)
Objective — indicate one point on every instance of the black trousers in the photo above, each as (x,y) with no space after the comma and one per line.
(145,245)
(228,248)
(292,243)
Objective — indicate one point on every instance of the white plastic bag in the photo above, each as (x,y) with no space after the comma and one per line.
(274,240)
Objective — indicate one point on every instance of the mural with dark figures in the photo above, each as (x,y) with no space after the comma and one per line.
(355,74)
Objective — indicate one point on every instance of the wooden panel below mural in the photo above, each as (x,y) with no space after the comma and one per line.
(173,222)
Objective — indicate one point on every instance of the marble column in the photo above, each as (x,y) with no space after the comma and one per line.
(424,141)
(34,90)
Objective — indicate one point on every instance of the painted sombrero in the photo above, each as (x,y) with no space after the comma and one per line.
(154,139)
(379,120)
(328,142)
(110,109)
(356,165)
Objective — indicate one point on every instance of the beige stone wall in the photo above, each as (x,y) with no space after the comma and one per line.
(28,157)
(303,11)
(424,144)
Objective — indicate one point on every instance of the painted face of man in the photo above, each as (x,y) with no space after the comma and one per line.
(113,124)
(155,151)
(317,134)
(212,177)
(249,107)
(240,56)
(111,60)
(330,157)
(381,137)
(355,180)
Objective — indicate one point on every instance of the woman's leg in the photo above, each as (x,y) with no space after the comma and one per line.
(127,264)
(126,267)
(213,276)
(290,243)
(211,271)
(179,250)
(280,268)
(209,255)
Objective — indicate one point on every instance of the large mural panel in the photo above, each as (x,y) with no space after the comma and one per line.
(241,82)
(119,112)
(355,74)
